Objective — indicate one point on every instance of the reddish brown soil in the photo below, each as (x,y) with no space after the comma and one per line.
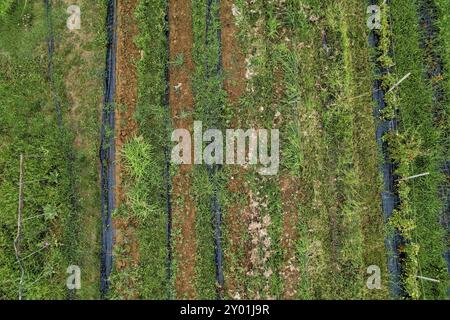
(125,237)
(181,102)
(233,58)
(237,221)
(290,197)
(126,85)
(126,98)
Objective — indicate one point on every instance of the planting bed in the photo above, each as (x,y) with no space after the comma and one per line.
(360,191)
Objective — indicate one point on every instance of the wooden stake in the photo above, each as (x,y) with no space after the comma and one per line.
(398,83)
(416,176)
(428,279)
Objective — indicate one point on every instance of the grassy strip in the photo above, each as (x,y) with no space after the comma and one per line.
(319,138)
(209,100)
(443,8)
(305,146)
(78,65)
(336,154)
(256,109)
(144,158)
(28,112)
(362,226)
(416,148)
(340,126)
(443,21)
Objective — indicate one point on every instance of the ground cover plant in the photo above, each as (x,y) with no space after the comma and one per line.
(56,201)
(92,111)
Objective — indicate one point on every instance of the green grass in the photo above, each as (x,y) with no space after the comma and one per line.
(209,100)
(144,205)
(334,152)
(5,6)
(81,101)
(29,126)
(144,156)
(322,90)
(416,148)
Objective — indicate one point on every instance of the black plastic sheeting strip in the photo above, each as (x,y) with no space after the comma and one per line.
(107,150)
(445,220)
(389,196)
(70,155)
(167,175)
(427,15)
(213,170)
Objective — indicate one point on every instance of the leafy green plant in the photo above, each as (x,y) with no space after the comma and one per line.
(5,6)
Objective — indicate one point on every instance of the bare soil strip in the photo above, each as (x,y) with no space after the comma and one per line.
(181,103)
(291,197)
(126,85)
(233,58)
(126,98)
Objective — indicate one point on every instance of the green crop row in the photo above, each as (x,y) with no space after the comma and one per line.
(417,147)
(209,100)
(56,228)
(145,183)
(78,64)
(327,141)
(330,146)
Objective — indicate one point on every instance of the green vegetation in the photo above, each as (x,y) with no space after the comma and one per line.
(309,232)
(57,229)
(209,100)
(5,6)
(318,53)
(79,68)
(144,156)
(418,147)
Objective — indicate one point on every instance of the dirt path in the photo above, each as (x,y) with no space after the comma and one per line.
(233,58)
(126,98)
(84,91)
(291,197)
(181,102)
(126,84)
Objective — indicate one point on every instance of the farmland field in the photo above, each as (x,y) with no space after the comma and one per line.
(224,149)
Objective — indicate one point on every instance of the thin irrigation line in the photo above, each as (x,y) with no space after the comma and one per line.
(166,151)
(211,71)
(19,226)
(43,275)
(348,99)
(24,7)
(33,181)
(381,89)
(399,82)
(35,252)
